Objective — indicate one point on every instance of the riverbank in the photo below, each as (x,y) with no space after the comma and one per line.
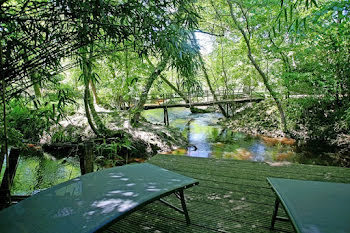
(256,119)
(141,141)
(262,119)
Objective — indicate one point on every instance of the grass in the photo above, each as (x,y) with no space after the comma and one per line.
(232,196)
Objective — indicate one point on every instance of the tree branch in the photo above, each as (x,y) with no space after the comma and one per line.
(209,33)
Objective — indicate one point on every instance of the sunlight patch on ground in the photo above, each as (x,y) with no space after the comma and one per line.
(279,164)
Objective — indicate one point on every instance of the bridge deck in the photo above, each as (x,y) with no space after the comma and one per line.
(205,103)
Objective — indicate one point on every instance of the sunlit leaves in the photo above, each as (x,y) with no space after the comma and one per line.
(45,32)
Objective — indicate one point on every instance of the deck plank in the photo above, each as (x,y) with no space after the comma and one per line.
(232,196)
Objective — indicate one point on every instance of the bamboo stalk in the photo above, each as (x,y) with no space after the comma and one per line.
(5,122)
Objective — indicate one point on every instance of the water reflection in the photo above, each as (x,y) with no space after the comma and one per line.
(209,139)
(43,171)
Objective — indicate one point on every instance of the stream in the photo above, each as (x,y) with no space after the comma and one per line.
(204,133)
(209,139)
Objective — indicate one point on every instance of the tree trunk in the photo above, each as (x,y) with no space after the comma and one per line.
(126,63)
(257,67)
(271,91)
(221,47)
(138,108)
(94,120)
(223,66)
(5,137)
(34,78)
(94,92)
(286,63)
(171,85)
(101,127)
(37,90)
(209,85)
(2,156)
(86,101)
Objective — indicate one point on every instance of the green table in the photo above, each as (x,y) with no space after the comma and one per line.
(312,206)
(92,201)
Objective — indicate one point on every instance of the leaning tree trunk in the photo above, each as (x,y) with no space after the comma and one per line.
(94,120)
(271,91)
(257,67)
(87,98)
(94,91)
(100,125)
(187,101)
(209,85)
(172,86)
(139,106)
(286,63)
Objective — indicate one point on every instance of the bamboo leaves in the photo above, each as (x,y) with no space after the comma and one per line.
(52,30)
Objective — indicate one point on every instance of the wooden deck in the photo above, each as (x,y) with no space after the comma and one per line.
(232,196)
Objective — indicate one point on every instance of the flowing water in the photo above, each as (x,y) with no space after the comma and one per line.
(210,139)
(205,135)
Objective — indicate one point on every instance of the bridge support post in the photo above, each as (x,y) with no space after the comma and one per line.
(166,116)
(87,159)
(165,112)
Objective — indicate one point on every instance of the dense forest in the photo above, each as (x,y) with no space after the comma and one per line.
(73,71)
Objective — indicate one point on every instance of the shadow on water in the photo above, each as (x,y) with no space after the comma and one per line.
(209,139)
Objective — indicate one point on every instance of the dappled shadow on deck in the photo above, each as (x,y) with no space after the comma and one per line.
(232,196)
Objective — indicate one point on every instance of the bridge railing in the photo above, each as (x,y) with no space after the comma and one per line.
(205,95)
(202,96)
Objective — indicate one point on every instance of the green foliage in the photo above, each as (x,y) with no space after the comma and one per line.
(29,118)
(258,117)
(14,136)
(346,117)
(65,99)
(301,46)
(69,133)
(308,118)
(320,119)
(27,123)
(113,152)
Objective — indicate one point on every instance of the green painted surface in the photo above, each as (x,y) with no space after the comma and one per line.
(232,196)
(315,206)
(89,202)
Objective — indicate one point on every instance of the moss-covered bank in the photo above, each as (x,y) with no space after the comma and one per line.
(310,122)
